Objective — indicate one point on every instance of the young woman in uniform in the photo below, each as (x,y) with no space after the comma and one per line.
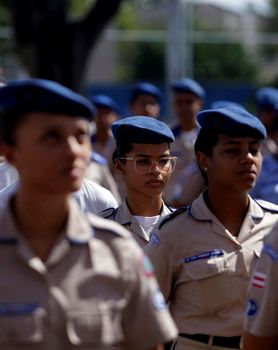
(144,162)
(67,280)
(203,254)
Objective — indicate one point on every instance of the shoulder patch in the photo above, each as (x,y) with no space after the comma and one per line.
(172,216)
(108,213)
(268,206)
(101,224)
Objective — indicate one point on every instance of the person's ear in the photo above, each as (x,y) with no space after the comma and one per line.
(119,166)
(202,160)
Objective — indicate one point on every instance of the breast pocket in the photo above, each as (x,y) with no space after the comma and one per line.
(94,327)
(208,280)
(21,328)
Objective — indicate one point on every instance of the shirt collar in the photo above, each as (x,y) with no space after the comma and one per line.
(200,211)
(77,231)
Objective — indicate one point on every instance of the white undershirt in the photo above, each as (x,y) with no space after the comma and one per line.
(147,222)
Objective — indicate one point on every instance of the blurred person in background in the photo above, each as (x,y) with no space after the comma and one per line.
(267,105)
(106,113)
(188,98)
(267,185)
(145,100)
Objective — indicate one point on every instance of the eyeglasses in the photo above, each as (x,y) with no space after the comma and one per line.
(144,165)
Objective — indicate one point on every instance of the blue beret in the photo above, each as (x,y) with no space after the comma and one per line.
(141,129)
(104,101)
(267,97)
(38,95)
(232,121)
(189,85)
(146,88)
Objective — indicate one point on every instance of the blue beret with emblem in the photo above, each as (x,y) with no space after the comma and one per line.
(39,95)
(234,121)
(145,88)
(104,101)
(189,85)
(141,129)
(267,98)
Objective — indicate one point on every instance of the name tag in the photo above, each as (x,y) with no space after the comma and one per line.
(206,255)
(17,308)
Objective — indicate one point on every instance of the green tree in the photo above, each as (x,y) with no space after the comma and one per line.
(51,42)
(212,62)
(223,63)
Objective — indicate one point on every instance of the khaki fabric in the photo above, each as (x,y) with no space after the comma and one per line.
(262,310)
(123,216)
(203,270)
(95,290)
(101,175)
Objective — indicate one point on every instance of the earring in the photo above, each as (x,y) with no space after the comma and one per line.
(205,169)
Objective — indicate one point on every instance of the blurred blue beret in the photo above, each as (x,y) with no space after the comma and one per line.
(38,95)
(104,101)
(267,97)
(225,103)
(141,129)
(232,121)
(188,85)
(146,88)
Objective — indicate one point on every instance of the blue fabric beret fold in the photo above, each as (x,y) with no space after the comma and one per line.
(39,95)
(104,101)
(189,85)
(141,129)
(234,121)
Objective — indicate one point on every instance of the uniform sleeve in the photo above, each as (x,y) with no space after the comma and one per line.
(146,321)
(262,310)
(159,254)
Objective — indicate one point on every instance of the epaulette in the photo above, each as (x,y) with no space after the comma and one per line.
(108,213)
(98,158)
(268,206)
(172,216)
(101,224)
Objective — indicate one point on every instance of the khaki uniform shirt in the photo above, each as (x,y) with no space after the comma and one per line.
(123,216)
(95,289)
(184,151)
(262,310)
(203,270)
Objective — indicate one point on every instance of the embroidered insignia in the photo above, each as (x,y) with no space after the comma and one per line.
(269,250)
(154,240)
(252,308)
(158,300)
(258,280)
(17,308)
(148,267)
